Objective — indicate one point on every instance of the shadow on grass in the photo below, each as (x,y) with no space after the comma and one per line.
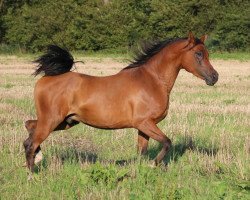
(74,155)
(177,150)
(71,155)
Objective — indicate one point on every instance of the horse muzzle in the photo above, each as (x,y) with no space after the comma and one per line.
(212,78)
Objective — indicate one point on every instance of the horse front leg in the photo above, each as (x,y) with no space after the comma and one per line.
(149,128)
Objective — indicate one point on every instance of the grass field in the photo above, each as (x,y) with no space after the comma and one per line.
(209,128)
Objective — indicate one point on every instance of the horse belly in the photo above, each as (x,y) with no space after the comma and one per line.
(106,116)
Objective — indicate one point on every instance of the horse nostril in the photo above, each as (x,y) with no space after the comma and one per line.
(215,76)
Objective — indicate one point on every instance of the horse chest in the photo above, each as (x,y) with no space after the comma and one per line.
(159,107)
(163,111)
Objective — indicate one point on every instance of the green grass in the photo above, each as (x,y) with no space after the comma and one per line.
(241,56)
(124,56)
(209,128)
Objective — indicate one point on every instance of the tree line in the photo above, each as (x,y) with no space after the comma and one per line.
(120,24)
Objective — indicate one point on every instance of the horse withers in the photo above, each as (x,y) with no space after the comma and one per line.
(136,97)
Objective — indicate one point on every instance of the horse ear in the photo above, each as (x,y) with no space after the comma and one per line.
(191,39)
(203,38)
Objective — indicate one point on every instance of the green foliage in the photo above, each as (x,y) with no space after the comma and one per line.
(108,176)
(38,25)
(120,24)
(232,31)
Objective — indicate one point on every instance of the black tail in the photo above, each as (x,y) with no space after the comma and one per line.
(54,62)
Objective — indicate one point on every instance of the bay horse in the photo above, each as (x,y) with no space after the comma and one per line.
(136,97)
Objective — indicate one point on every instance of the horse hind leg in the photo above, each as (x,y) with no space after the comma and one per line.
(43,128)
(31,126)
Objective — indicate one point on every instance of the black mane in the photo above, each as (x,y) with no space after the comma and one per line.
(150,49)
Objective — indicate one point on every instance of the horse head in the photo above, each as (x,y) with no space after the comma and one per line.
(195,59)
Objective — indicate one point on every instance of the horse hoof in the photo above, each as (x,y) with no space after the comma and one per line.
(38,158)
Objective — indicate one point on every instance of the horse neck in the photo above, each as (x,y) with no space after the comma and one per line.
(164,66)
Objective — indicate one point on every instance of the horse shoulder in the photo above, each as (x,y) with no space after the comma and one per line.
(150,97)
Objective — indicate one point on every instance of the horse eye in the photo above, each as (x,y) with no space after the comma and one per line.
(199,54)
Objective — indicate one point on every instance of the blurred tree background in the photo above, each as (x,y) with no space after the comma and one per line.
(30,25)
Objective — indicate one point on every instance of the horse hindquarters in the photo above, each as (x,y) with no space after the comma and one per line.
(50,116)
